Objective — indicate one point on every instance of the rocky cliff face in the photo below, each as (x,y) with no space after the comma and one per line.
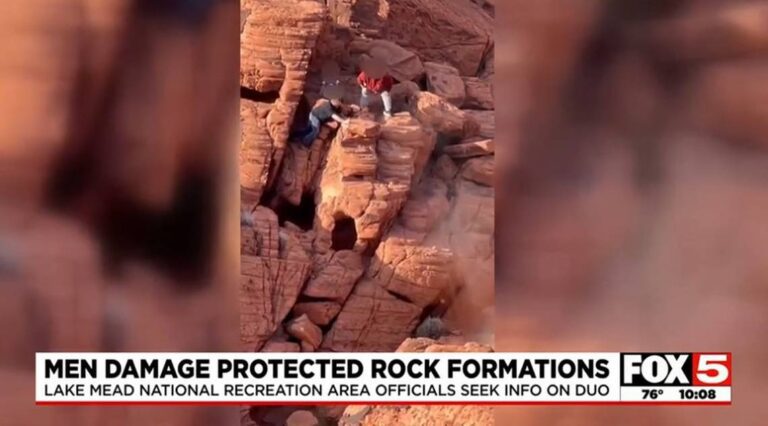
(349,244)
(277,40)
(459,33)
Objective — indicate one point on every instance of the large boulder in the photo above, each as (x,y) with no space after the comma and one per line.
(434,111)
(402,64)
(403,149)
(479,170)
(320,313)
(474,147)
(486,121)
(444,80)
(403,94)
(414,271)
(305,330)
(479,94)
(455,32)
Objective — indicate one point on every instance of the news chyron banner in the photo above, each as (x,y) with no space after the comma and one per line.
(383,378)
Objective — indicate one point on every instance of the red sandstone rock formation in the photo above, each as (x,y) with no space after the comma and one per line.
(479,93)
(256,149)
(363,234)
(402,64)
(458,33)
(277,40)
(444,80)
(273,270)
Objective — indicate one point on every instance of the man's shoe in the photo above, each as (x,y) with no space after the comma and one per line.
(387,115)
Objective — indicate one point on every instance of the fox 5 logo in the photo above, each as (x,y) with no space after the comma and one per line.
(676,369)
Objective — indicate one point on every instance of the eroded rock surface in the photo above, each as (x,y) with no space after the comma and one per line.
(256,149)
(459,33)
(381,225)
(443,116)
(402,64)
(335,275)
(372,320)
(349,244)
(272,274)
(277,40)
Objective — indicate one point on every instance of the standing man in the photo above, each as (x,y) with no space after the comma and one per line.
(374,80)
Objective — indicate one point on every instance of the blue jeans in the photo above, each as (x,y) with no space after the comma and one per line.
(312,131)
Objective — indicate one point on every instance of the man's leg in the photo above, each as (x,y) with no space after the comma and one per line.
(299,134)
(314,130)
(364,98)
(386,99)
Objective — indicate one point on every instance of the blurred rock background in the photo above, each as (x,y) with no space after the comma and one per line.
(634,190)
(117,149)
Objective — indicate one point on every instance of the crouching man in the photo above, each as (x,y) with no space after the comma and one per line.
(325,109)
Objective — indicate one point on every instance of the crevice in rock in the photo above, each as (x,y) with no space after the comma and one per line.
(328,327)
(270,197)
(430,320)
(354,178)
(344,234)
(370,250)
(301,116)
(437,309)
(303,298)
(423,83)
(443,140)
(400,297)
(484,63)
(302,215)
(256,96)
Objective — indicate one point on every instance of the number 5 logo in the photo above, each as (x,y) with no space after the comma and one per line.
(712,369)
